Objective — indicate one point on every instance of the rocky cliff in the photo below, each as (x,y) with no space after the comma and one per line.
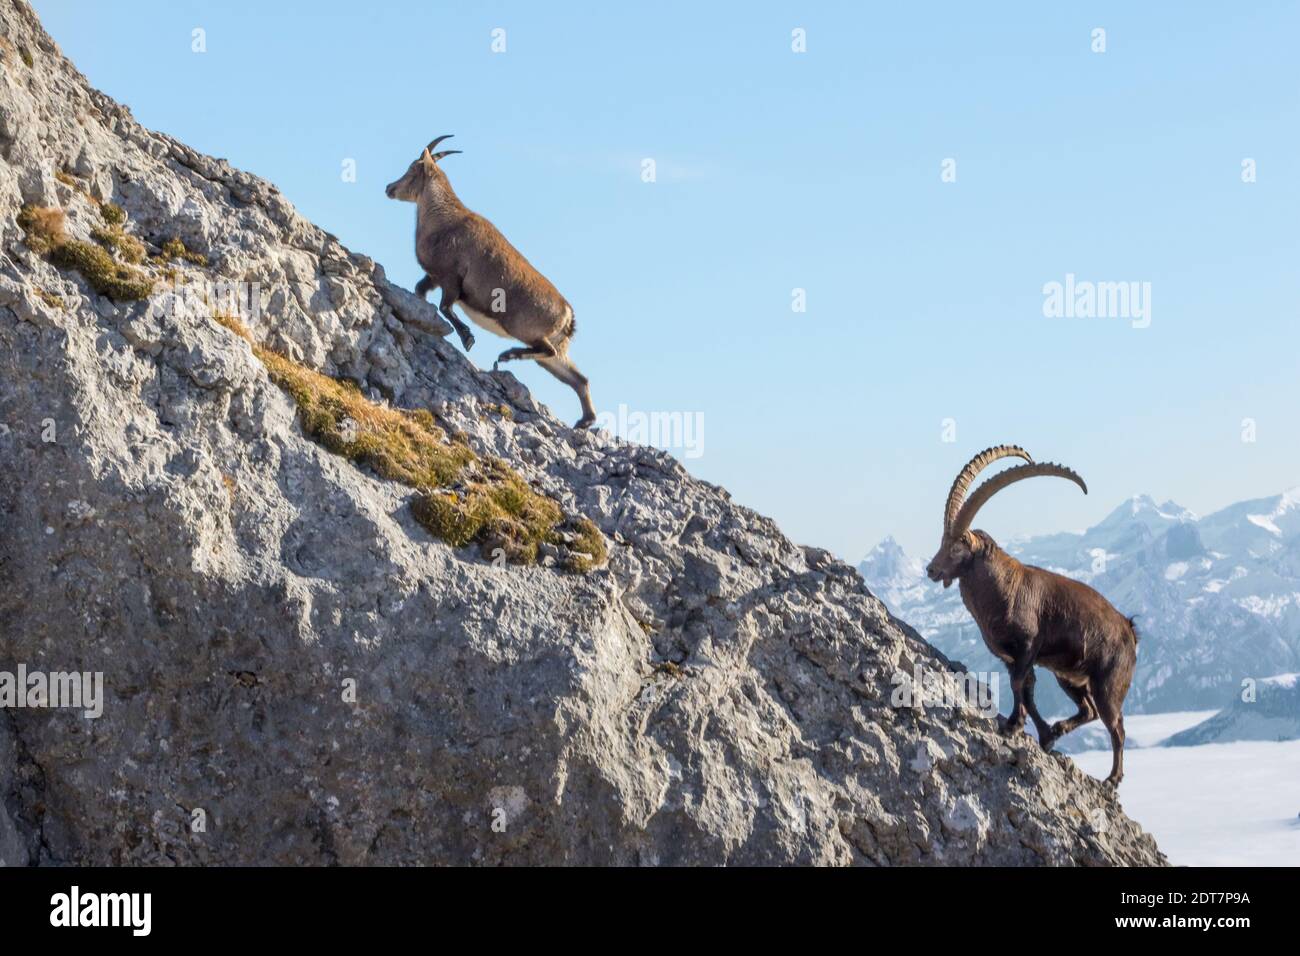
(305,661)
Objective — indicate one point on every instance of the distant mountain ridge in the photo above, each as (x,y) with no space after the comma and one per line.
(1271,711)
(1217,598)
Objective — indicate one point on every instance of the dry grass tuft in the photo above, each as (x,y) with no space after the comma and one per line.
(462,500)
(44,233)
(125,246)
(113,214)
(175,249)
(44,227)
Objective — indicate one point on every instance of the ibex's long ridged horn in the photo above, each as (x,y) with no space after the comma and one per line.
(962,483)
(999,481)
(431,146)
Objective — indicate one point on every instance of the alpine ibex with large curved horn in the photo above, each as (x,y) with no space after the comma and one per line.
(479,270)
(1029,616)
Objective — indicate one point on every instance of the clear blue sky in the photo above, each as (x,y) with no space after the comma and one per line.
(819,171)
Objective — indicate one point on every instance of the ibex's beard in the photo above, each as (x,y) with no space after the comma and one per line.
(937,576)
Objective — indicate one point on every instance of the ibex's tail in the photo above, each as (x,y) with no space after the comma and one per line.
(1132,626)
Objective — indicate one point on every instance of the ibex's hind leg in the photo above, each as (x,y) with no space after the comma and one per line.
(538,350)
(1113,718)
(1087,713)
(562,367)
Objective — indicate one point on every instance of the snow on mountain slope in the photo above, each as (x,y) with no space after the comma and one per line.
(1267,710)
(1217,598)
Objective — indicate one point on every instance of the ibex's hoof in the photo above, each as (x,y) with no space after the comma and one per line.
(1049,739)
(585,421)
(467,340)
(495,365)
(1113,782)
(1007,729)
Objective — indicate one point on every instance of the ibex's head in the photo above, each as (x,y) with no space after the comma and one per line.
(419,173)
(960,546)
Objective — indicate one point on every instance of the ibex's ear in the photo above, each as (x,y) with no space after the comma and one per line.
(426,160)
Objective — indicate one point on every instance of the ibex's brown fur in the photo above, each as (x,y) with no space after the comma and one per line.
(1029,616)
(477,268)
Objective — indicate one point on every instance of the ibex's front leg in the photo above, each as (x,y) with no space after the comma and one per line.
(450,295)
(1014,722)
(1044,731)
(1021,669)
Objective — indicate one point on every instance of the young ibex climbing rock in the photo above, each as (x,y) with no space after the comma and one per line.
(1029,616)
(477,268)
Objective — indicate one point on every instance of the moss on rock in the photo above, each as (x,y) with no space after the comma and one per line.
(126,247)
(463,499)
(587,550)
(105,275)
(176,249)
(113,214)
(43,228)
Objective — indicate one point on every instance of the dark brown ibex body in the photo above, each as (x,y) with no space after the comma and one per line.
(478,269)
(1030,616)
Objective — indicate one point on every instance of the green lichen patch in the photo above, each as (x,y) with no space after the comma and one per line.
(26,54)
(462,499)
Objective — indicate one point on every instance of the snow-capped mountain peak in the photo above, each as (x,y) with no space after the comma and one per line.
(1143,510)
(888,561)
